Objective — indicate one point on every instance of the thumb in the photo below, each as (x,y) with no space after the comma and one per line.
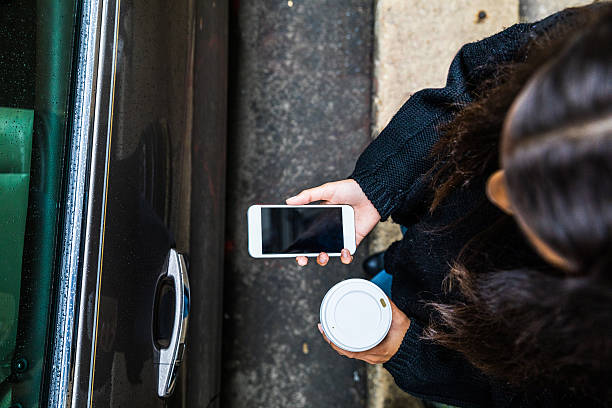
(312,194)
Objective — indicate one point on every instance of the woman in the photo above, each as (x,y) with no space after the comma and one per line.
(507,304)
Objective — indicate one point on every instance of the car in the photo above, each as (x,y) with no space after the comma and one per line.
(112,200)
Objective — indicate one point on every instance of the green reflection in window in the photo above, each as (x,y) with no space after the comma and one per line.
(36,52)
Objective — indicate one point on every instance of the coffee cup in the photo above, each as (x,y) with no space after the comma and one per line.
(355,315)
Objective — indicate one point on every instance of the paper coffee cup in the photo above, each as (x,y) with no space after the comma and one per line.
(355,315)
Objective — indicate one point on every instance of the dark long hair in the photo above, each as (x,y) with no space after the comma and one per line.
(541,325)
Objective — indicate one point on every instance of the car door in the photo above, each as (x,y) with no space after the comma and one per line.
(129,313)
(124,296)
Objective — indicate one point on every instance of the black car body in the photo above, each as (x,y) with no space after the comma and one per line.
(138,205)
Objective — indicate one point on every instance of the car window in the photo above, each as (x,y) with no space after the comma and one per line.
(36,53)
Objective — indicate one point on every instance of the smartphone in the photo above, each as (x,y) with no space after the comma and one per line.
(286,231)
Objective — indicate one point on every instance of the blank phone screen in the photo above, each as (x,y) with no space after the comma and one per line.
(301,230)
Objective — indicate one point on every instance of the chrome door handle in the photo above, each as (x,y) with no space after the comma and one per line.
(169,359)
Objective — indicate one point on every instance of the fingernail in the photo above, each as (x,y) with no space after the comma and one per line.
(302,262)
(320,328)
(322,259)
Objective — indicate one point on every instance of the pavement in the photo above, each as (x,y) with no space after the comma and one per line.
(312,83)
(533,10)
(300,103)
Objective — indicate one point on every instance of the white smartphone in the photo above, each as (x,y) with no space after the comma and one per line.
(286,231)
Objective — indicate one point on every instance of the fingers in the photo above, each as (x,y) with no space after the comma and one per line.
(322,259)
(312,194)
(366,356)
(345,256)
(321,331)
(336,348)
(324,336)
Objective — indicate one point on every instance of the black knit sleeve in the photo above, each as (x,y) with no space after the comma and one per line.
(433,373)
(390,171)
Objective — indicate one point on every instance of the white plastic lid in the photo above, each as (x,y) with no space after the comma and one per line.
(355,315)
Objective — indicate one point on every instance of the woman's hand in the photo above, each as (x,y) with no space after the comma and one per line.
(386,348)
(341,192)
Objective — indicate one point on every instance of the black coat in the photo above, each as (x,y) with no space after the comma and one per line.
(392,172)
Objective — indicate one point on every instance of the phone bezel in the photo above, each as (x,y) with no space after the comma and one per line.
(254,230)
